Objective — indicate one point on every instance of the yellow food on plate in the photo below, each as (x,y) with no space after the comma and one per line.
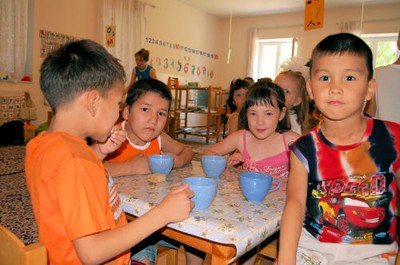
(156,177)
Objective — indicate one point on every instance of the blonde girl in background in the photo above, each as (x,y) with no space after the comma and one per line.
(294,86)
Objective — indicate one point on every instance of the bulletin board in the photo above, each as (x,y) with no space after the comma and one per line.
(9,107)
(51,41)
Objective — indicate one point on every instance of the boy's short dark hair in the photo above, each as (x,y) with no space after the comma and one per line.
(344,43)
(145,54)
(261,93)
(77,67)
(143,86)
(236,85)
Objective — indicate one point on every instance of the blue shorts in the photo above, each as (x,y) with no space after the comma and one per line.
(150,252)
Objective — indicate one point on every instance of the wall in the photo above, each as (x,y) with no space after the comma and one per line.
(178,23)
(377,19)
(71,17)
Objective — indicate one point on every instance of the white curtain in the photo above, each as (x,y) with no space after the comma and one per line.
(128,18)
(13,38)
(252,53)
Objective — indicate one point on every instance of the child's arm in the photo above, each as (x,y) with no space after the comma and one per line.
(233,123)
(233,145)
(226,146)
(153,74)
(101,247)
(136,165)
(182,153)
(117,137)
(293,213)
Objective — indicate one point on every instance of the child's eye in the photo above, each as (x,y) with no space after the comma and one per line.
(252,113)
(324,78)
(350,78)
(162,114)
(145,109)
(286,91)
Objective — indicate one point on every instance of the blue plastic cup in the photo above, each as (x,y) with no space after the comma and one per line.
(255,186)
(213,165)
(204,190)
(161,163)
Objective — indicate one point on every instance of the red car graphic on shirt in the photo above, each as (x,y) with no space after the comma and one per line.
(349,212)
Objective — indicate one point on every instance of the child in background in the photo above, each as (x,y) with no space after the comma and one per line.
(249,79)
(142,69)
(79,215)
(236,98)
(263,143)
(342,190)
(294,86)
(146,113)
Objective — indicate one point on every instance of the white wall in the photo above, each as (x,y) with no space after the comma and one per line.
(178,23)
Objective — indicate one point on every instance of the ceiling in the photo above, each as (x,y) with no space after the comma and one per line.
(222,8)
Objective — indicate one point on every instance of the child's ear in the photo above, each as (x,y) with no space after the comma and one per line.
(371,89)
(309,91)
(92,101)
(283,113)
(125,112)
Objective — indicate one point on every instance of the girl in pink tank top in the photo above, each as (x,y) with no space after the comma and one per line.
(262,145)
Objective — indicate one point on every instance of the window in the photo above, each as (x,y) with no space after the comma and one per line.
(16,24)
(383,46)
(271,53)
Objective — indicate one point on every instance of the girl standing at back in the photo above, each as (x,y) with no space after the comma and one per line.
(294,87)
(237,96)
(263,143)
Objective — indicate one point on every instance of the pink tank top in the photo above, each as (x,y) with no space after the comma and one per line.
(277,166)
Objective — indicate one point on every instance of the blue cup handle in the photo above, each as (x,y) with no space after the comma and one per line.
(277,185)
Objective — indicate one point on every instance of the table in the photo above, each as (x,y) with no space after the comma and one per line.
(228,229)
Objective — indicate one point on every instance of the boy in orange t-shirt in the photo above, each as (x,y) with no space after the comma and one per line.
(75,203)
(145,115)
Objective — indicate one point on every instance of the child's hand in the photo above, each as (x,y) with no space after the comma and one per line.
(176,206)
(117,137)
(234,159)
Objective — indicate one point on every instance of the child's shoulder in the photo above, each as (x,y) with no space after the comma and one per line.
(291,136)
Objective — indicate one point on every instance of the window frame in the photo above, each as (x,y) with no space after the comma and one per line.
(279,43)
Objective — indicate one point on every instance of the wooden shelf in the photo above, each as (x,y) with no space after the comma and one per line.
(186,102)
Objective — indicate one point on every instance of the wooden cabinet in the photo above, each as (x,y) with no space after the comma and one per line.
(197,111)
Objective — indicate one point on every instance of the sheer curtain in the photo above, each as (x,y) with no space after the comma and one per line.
(128,18)
(13,38)
(252,53)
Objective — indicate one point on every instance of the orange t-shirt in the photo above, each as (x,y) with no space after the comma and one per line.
(128,150)
(71,195)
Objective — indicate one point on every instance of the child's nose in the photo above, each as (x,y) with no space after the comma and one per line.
(336,86)
(153,117)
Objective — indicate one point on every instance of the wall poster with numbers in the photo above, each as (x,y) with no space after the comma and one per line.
(183,62)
